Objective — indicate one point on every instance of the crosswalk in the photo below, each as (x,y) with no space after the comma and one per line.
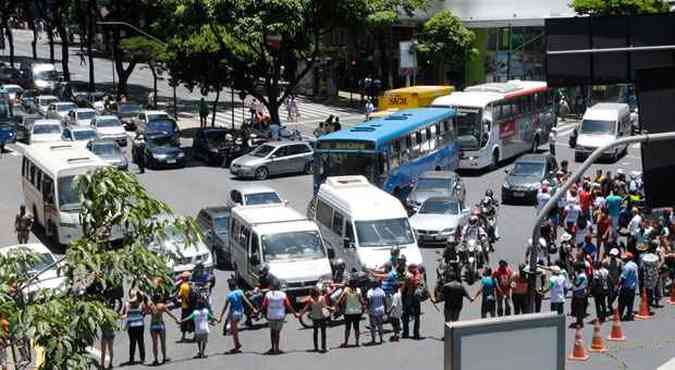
(310,113)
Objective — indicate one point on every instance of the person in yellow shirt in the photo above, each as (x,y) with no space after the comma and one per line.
(185,307)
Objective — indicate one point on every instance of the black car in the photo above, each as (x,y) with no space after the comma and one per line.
(166,125)
(126,112)
(523,181)
(160,151)
(214,223)
(218,146)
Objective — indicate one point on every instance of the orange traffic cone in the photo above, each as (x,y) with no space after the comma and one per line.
(579,352)
(671,300)
(598,344)
(643,314)
(616,335)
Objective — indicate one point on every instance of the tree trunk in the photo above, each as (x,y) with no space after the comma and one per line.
(10,39)
(273,107)
(215,105)
(33,44)
(65,43)
(50,36)
(122,73)
(90,41)
(154,85)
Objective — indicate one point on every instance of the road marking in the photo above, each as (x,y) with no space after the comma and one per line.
(670,365)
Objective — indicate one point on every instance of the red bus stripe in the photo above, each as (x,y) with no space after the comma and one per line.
(525,92)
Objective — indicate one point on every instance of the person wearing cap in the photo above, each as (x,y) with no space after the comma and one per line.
(614,266)
(543,196)
(600,290)
(503,275)
(557,285)
(628,282)
(184,290)
(649,272)
(634,228)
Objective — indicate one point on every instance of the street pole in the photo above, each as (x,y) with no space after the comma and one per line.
(541,216)
(508,57)
(112,63)
(232,95)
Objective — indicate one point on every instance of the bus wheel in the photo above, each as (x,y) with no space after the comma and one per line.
(535,144)
(495,160)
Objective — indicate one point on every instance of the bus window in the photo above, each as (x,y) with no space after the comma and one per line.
(24,167)
(323,213)
(395,154)
(32,173)
(337,223)
(515,108)
(539,101)
(48,190)
(549,98)
(349,231)
(38,179)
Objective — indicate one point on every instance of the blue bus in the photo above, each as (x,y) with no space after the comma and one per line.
(390,152)
(7,123)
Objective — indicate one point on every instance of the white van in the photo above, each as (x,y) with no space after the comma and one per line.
(602,124)
(279,236)
(361,223)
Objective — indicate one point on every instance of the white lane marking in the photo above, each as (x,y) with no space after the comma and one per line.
(670,365)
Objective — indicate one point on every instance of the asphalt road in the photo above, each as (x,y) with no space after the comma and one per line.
(650,343)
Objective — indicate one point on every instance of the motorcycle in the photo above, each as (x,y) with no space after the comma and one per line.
(332,293)
(470,256)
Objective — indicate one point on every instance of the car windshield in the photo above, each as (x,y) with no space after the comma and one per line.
(161,125)
(382,233)
(105,149)
(439,206)
(129,108)
(159,116)
(221,224)
(82,135)
(262,151)
(69,197)
(65,107)
(431,183)
(292,245)
(47,101)
(108,123)
(46,129)
(40,263)
(162,140)
(13,89)
(594,127)
(47,75)
(215,139)
(86,115)
(262,198)
(528,169)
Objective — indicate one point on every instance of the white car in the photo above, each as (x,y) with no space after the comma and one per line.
(13,91)
(45,264)
(251,195)
(59,110)
(43,102)
(110,127)
(438,219)
(181,256)
(149,115)
(46,130)
(81,117)
(78,133)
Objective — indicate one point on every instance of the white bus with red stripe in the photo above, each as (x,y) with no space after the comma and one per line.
(497,121)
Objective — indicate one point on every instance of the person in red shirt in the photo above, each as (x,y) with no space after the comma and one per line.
(503,275)
(585,199)
(604,227)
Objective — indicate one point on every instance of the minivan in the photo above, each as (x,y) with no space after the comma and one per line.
(602,124)
(362,223)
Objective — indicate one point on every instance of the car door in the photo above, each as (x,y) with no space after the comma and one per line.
(295,160)
(278,162)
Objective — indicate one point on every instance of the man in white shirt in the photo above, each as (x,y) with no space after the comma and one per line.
(556,285)
(551,142)
(634,228)
(572,212)
(543,196)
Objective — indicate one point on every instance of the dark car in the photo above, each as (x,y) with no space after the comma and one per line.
(165,125)
(126,112)
(10,75)
(218,146)
(214,223)
(160,151)
(523,181)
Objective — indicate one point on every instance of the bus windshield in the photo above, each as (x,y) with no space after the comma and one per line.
(348,163)
(383,233)
(69,197)
(292,245)
(468,125)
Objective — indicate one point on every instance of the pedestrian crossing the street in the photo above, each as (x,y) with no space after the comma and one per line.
(310,113)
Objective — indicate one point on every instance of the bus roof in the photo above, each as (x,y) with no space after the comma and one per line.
(385,129)
(419,89)
(479,96)
(361,199)
(55,157)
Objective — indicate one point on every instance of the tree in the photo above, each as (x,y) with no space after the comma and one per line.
(66,323)
(619,7)
(445,41)
(143,50)
(8,9)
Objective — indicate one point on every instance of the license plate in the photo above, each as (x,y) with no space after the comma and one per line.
(170,161)
(518,194)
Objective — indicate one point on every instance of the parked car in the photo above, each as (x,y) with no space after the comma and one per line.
(60,110)
(218,146)
(173,244)
(523,181)
(28,100)
(166,125)
(438,219)
(46,130)
(42,103)
(13,91)
(253,195)
(10,75)
(7,132)
(110,152)
(160,151)
(436,183)
(143,117)
(44,263)
(81,117)
(214,223)
(126,112)
(24,123)
(274,158)
(110,127)
(78,133)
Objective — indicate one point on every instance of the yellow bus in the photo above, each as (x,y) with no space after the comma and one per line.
(411,97)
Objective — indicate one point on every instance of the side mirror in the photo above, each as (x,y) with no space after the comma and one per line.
(255,260)
(506,171)
(331,253)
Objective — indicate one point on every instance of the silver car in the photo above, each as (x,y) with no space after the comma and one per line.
(438,219)
(436,183)
(110,152)
(78,133)
(274,158)
(60,110)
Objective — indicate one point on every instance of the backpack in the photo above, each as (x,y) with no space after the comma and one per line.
(600,284)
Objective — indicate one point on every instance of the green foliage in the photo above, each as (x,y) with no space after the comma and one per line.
(619,7)
(444,39)
(143,49)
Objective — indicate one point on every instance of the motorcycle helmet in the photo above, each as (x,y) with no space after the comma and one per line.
(566,237)
(473,219)
(339,264)
(489,193)
(264,269)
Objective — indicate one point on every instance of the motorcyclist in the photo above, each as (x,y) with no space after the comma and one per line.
(473,230)
(451,260)
(339,272)
(489,207)
(265,281)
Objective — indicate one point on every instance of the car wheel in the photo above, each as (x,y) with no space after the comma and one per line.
(261,173)
(495,160)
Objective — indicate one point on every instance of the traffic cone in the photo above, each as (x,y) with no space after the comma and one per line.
(616,335)
(643,314)
(597,344)
(579,352)
(671,300)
